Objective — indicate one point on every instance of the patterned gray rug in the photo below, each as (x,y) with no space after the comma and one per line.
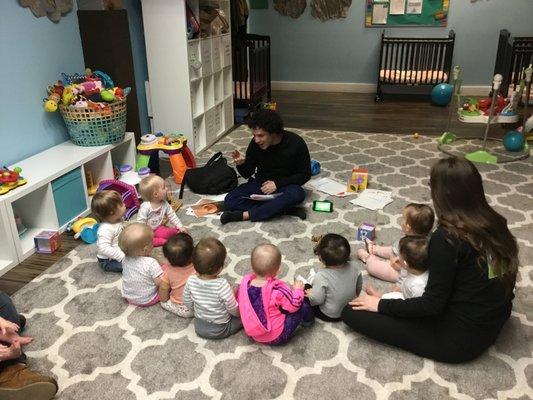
(100,348)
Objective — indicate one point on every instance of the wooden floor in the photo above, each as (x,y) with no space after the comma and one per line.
(355,112)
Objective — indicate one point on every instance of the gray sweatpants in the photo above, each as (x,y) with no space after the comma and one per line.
(210,330)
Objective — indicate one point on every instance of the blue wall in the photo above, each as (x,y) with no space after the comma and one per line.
(33,52)
(306,49)
(139,59)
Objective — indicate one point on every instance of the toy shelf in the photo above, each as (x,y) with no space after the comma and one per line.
(190,80)
(55,177)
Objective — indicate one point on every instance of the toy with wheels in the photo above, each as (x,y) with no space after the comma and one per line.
(127,192)
(86,229)
(10,179)
(441,94)
(514,141)
(175,145)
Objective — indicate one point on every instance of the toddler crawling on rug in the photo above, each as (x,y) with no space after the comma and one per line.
(413,258)
(155,209)
(270,310)
(383,261)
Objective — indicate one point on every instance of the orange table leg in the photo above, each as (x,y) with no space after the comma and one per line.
(179,166)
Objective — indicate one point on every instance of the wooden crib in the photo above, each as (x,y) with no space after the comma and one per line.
(251,71)
(414,61)
(513,56)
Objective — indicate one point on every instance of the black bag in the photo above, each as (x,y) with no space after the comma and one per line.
(215,177)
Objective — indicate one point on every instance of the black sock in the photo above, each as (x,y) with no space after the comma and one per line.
(230,216)
(297,212)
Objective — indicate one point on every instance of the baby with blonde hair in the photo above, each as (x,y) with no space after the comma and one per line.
(141,274)
(270,310)
(155,209)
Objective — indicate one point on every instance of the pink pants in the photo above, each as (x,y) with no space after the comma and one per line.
(379,264)
(162,233)
(156,299)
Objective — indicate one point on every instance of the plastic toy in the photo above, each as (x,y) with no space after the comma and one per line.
(10,179)
(86,229)
(441,94)
(128,193)
(129,176)
(366,231)
(47,242)
(175,145)
(358,180)
(315,167)
(514,141)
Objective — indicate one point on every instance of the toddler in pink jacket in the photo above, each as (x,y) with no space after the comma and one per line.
(270,310)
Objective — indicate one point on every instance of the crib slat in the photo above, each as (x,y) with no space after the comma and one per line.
(386,72)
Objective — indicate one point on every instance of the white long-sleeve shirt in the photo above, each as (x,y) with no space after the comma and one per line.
(107,241)
(154,217)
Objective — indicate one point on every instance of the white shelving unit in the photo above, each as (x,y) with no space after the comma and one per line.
(190,80)
(34,202)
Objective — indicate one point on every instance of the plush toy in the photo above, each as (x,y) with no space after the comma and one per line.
(107,95)
(50,103)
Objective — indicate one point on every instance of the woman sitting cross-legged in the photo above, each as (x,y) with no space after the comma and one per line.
(473,260)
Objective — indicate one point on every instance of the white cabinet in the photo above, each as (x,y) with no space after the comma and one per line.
(190,80)
(36,203)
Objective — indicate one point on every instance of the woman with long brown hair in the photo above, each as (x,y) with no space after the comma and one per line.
(473,260)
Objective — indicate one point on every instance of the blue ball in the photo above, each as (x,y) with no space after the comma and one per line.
(441,94)
(315,167)
(514,141)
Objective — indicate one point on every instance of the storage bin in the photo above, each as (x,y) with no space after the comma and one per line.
(69,196)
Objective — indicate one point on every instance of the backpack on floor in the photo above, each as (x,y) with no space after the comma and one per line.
(215,177)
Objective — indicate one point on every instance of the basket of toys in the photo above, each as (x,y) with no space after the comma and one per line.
(93,109)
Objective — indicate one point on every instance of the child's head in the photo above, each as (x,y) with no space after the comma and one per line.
(417,219)
(135,240)
(178,249)
(333,250)
(414,252)
(266,260)
(208,256)
(107,206)
(153,188)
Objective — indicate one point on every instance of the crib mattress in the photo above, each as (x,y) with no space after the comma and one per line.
(243,90)
(412,77)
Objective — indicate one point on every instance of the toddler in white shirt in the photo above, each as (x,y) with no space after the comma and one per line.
(414,269)
(141,274)
(155,209)
(107,206)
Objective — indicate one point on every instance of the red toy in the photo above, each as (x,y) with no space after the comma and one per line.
(10,179)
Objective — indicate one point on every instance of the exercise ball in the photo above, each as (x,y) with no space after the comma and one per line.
(514,141)
(441,94)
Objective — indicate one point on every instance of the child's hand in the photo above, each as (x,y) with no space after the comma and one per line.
(10,352)
(184,230)
(308,292)
(298,285)
(396,263)
(369,244)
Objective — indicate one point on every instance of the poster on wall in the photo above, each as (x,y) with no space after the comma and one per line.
(397,7)
(407,13)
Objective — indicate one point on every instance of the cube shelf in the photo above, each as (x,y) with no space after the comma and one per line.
(190,80)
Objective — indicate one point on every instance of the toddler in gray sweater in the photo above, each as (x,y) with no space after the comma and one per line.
(333,286)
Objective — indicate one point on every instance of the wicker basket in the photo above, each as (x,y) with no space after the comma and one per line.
(95,127)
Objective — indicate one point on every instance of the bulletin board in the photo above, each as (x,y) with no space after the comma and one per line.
(398,13)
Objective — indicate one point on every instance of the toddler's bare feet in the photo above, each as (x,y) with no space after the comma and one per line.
(363,255)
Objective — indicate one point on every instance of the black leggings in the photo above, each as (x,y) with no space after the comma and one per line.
(445,339)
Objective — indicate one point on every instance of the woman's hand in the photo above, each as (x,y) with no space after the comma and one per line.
(237,157)
(268,187)
(367,301)
(8,327)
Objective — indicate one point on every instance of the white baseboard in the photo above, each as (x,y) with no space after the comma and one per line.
(349,87)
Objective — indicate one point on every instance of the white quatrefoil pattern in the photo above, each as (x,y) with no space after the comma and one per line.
(100,348)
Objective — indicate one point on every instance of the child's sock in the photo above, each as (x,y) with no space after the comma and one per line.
(230,216)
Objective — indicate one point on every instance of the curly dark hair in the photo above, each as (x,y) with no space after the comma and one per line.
(267,120)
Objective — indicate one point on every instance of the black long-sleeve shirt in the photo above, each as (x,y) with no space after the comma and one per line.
(285,163)
(458,285)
